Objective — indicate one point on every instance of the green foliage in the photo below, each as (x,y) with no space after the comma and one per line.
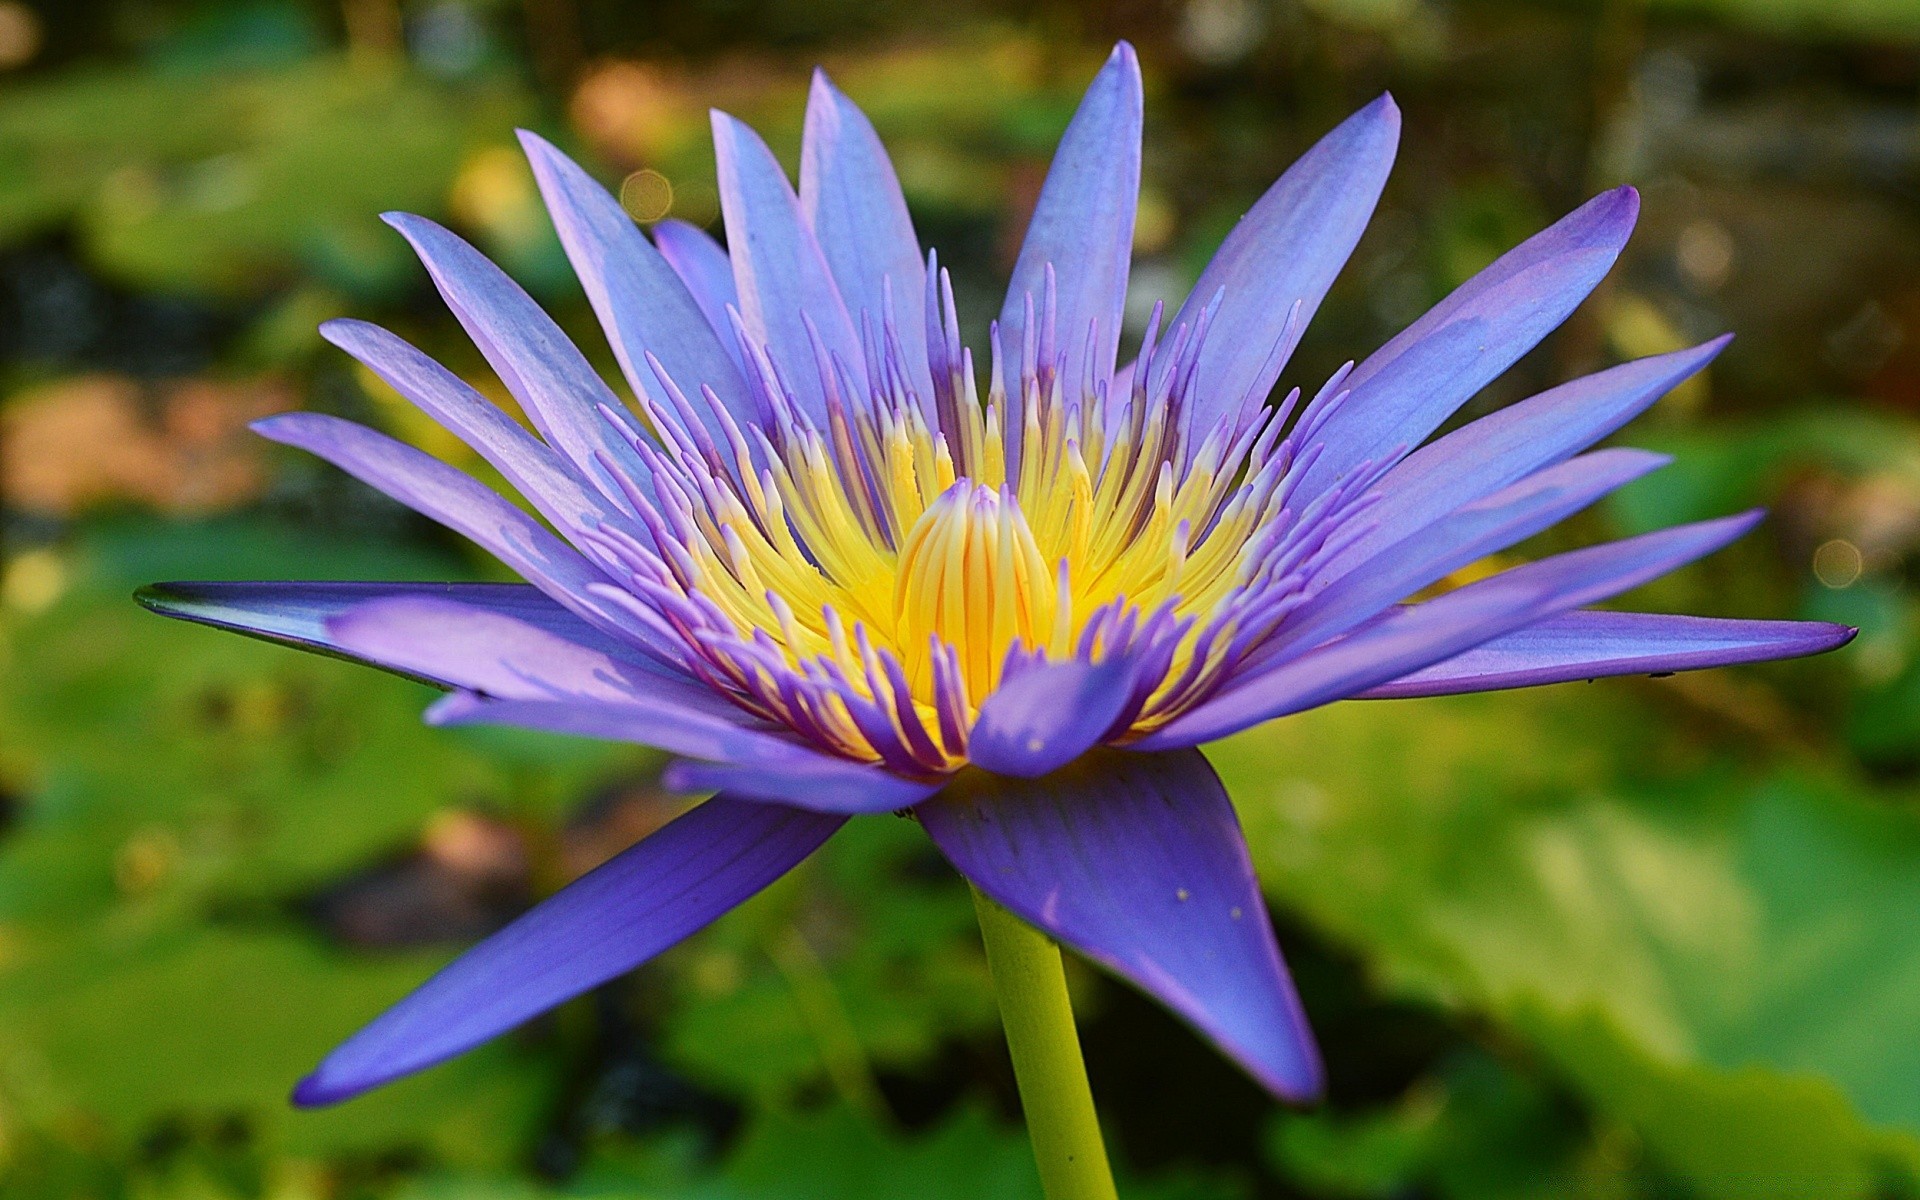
(1716,954)
(1820,18)
(213,1023)
(868,960)
(1477,1129)
(187,789)
(830,1154)
(1732,466)
(846,1158)
(224,182)
(1727,466)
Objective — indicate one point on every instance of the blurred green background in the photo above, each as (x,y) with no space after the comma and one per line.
(1640,938)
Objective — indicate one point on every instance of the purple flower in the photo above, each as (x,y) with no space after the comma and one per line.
(815,564)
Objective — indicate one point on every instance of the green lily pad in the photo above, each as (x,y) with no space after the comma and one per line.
(1715,952)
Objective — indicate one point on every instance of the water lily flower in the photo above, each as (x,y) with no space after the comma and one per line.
(834,568)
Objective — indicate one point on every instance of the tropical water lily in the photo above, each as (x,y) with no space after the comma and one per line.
(835,568)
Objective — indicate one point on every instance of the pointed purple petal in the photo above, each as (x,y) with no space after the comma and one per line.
(1047,716)
(1506,446)
(646,900)
(1474,531)
(1419,635)
(545,371)
(1138,862)
(296,614)
(527,463)
(486,651)
(820,783)
(434,489)
(1404,390)
(816,780)
(703,266)
(783,278)
(1083,228)
(852,200)
(1589,645)
(1287,248)
(640,300)
(461,503)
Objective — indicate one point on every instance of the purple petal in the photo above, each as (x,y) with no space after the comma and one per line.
(703,266)
(669,886)
(1404,390)
(1589,645)
(1287,248)
(550,377)
(1082,227)
(1047,716)
(461,503)
(821,783)
(560,392)
(486,651)
(1419,635)
(783,278)
(1476,530)
(1138,862)
(852,200)
(640,300)
(1506,446)
(816,780)
(527,463)
(296,614)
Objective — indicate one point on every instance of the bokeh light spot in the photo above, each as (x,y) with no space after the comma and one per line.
(1838,563)
(647,195)
(33,581)
(1706,253)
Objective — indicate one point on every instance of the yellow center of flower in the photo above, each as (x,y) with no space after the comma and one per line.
(970,575)
(877,534)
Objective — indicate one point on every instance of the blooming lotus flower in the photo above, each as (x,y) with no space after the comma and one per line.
(816,564)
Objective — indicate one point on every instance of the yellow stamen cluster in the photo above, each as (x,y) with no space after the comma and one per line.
(876,533)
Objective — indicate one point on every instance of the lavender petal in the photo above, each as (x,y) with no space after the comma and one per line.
(1048,715)
(639,298)
(703,266)
(296,613)
(1138,862)
(1472,532)
(646,900)
(1287,248)
(784,282)
(485,651)
(1420,635)
(560,392)
(1404,390)
(1505,446)
(530,465)
(1082,228)
(1593,644)
(820,781)
(461,503)
(851,199)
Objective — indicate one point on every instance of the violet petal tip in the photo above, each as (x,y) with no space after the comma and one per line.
(315,1091)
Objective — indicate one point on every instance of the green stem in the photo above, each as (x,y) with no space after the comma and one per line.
(1032,990)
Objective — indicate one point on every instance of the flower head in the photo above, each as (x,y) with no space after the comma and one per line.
(837,567)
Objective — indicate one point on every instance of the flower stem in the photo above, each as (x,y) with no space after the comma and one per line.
(1034,1008)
